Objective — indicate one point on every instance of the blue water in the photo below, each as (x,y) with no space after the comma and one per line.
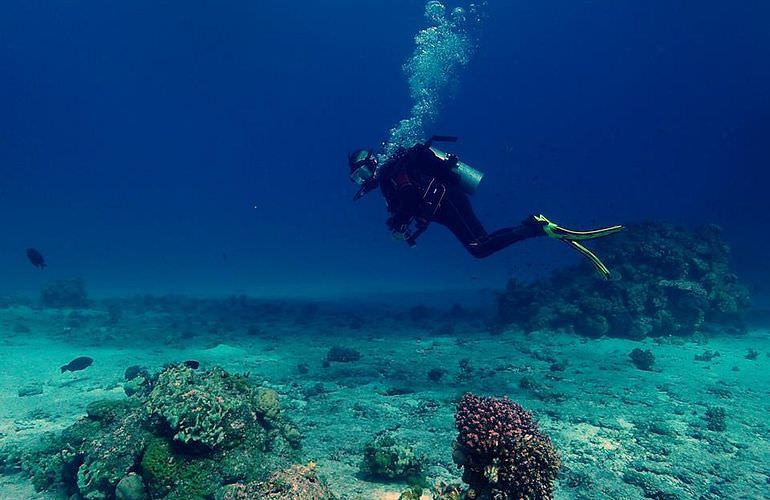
(200,149)
(200,146)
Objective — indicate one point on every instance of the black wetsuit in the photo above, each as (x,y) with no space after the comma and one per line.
(404,181)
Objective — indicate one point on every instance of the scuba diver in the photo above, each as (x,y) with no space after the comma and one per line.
(423,184)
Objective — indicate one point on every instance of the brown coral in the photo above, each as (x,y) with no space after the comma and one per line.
(501,450)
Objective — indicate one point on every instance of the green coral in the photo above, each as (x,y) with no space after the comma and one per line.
(385,458)
(172,475)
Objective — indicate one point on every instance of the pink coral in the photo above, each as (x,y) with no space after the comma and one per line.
(502,451)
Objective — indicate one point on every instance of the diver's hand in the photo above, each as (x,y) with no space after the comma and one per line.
(399,227)
(399,233)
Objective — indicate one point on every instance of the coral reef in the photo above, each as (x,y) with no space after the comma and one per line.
(642,359)
(674,281)
(32,389)
(130,487)
(184,434)
(110,454)
(341,354)
(298,482)
(64,294)
(386,458)
(707,355)
(716,417)
(436,374)
(205,411)
(170,473)
(7,301)
(443,491)
(502,452)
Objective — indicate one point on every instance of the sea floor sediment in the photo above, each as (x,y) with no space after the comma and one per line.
(622,432)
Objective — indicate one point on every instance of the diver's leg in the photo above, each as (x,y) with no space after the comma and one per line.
(502,238)
(510,235)
(456,213)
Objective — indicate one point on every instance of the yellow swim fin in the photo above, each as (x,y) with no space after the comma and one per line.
(556,231)
(572,238)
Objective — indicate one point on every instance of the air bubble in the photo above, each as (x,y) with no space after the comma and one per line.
(441,51)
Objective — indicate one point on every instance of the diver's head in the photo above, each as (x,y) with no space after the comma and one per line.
(363,166)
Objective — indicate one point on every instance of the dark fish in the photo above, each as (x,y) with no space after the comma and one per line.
(36,258)
(191,363)
(79,363)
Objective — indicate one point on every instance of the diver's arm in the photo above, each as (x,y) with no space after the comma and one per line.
(403,206)
(402,197)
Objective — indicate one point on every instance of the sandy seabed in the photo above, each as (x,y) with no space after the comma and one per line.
(622,432)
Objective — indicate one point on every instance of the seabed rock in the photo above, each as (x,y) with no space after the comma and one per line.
(131,487)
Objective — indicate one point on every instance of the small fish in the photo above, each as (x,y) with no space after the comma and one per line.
(79,363)
(36,258)
(191,363)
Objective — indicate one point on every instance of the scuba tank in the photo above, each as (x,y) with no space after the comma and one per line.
(469,176)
